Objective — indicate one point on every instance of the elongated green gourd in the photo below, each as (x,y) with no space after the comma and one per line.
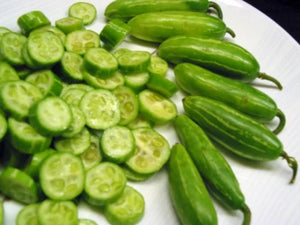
(158,26)
(214,168)
(196,80)
(189,195)
(222,57)
(236,132)
(129,8)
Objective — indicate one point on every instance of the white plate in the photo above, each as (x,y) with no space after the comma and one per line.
(265,185)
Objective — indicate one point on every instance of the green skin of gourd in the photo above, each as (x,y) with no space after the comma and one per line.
(232,129)
(220,56)
(211,165)
(198,81)
(235,131)
(131,8)
(158,26)
(189,195)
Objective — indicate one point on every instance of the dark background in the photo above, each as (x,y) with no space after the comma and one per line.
(286,13)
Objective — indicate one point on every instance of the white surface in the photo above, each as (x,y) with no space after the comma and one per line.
(272,200)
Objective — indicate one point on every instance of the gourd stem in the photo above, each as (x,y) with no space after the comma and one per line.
(281,124)
(292,162)
(247,215)
(267,77)
(216,7)
(230,31)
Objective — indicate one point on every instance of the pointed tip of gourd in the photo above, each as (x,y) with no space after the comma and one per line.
(247,215)
(293,164)
(265,76)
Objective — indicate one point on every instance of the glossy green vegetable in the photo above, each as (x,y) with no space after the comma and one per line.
(220,56)
(130,8)
(189,195)
(196,80)
(214,168)
(236,132)
(158,26)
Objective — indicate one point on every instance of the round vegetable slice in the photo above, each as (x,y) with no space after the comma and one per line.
(77,124)
(129,107)
(50,116)
(45,48)
(104,183)
(25,138)
(62,176)
(134,61)
(48,82)
(83,10)
(76,145)
(80,41)
(156,107)
(19,186)
(16,97)
(72,66)
(151,153)
(128,209)
(11,45)
(92,156)
(7,73)
(28,215)
(110,83)
(69,24)
(101,109)
(158,66)
(137,82)
(100,63)
(117,143)
(31,21)
(57,212)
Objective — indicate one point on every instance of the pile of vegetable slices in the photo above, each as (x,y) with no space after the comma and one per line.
(78,114)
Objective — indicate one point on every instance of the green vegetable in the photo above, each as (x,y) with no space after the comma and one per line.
(50,116)
(62,176)
(220,56)
(210,163)
(69,24)
(129,107)
(126,210)
(104,183)
(18,186)
(17,97)
(158,26)
(151,153)
(131,8)
(189,195)
(236,132)
(198,81)
(156,107)
(57,212)
(101,109)
(28,215)
(113,33)
(31,21)
(25,138)
(83,10)
(100,63)
(11,45)
(45,48)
